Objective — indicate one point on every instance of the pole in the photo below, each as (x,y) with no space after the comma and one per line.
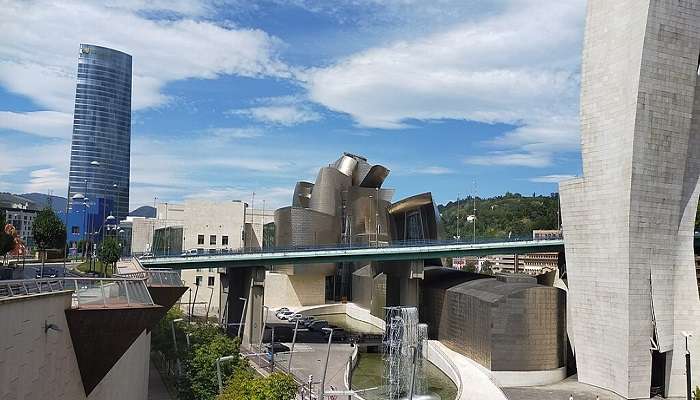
(458,196)
(240,323)
(266,309)
(325,366)
(311,382)
(272,351)
(65,249)
(474,221)
(218,370)
(291,351)
(413,372)
(196,291)
(206,318)
(688,374)
(189,305)
(262,227)
(172,329)
(376,216)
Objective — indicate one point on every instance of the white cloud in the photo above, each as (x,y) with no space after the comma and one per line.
(54,155)
(551,178)
(235,133)
(430,170)
(502,158)
(40,123)
(44,179)
(40,48)
(283,110)
(518,66)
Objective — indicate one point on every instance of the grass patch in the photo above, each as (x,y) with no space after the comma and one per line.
(98,266)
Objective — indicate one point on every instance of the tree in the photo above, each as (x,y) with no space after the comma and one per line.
(200,380)
(48,230)
(108,251)
(276,386)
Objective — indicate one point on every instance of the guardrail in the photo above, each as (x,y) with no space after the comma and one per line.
(342,246)
(156,277)
(87,292)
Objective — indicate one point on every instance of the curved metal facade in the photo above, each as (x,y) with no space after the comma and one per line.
(327,194)
(102,128)
(302,194)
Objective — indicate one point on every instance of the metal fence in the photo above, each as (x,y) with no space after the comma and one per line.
(156,277)
(345,246)
(87,292)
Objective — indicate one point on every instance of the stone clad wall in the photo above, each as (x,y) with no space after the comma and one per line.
(628,221)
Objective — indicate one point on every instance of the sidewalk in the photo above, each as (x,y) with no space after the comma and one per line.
(156,387)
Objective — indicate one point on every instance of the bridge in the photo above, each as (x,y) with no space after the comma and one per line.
(421,250)
(402,251)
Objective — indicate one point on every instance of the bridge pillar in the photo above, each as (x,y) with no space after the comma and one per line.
(410,284)
(247,283)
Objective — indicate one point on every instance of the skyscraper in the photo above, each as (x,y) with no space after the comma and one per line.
(101,145)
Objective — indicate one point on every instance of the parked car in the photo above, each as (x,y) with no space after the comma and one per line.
(318,325)
(339,334)
(189,253)
(304,322)
(294,317)
(285,314)
(281,310)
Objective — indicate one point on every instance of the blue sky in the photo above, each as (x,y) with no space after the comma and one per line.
(231,97)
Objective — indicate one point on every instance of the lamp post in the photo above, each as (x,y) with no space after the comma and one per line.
(177,357)
(206,317)
(413,372)
(325,366)
(291,351)
(218,370)
(241,322)
(688,374)
(266,310)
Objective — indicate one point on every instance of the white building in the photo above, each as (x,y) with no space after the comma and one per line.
(211,227)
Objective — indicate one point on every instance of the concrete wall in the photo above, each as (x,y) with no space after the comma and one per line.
(628,223)
(39,365)
(282,290)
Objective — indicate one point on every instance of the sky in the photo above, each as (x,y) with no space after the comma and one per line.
(232,97)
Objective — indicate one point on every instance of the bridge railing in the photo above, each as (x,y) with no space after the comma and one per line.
(156,277)
(87,292)
(347,246)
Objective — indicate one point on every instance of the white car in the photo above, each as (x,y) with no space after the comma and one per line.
(285,315)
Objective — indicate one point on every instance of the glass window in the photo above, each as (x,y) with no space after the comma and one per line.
(198,280)
(212,239)
(200,239)
(75,230)
(210,281)
(224,240)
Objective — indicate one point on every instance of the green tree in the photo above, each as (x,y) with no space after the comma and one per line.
(2,220)
(161,337)
(49,232)
(108,252)
(200,380)
(276,386)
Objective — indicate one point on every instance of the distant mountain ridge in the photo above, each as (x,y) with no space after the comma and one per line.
(144,211)
(58,203)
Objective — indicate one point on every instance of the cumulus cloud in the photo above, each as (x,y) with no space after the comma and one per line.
(518,67)
(41,39)
(41,180)
(51,124)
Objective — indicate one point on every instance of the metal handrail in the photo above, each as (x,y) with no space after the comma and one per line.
(354,246)
(160,277)
(102,292)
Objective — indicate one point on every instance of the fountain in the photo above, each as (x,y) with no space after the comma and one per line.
(403,336)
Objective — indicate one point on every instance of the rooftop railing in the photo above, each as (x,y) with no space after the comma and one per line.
(156,277)
(87,292)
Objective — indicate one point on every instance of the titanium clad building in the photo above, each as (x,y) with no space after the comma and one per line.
(102,129)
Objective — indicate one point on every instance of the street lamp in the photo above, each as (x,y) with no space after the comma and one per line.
(325,366)
(688,376)
(177,357)
(218,370)
(241,322)
(291,351)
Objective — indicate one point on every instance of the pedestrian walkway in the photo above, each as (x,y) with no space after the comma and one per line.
(561,391)
(156,387)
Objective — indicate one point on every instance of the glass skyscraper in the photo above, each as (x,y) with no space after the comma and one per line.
(101,145)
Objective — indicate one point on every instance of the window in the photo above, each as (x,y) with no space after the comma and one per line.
(200,239)
(212,239)
(75,230)
(198,280)
(211,269)
(210,281)
(199,270)
(224,240)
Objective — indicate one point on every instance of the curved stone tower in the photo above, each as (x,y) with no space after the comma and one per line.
(628,223)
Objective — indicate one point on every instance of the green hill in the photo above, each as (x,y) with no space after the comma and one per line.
(498,217)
